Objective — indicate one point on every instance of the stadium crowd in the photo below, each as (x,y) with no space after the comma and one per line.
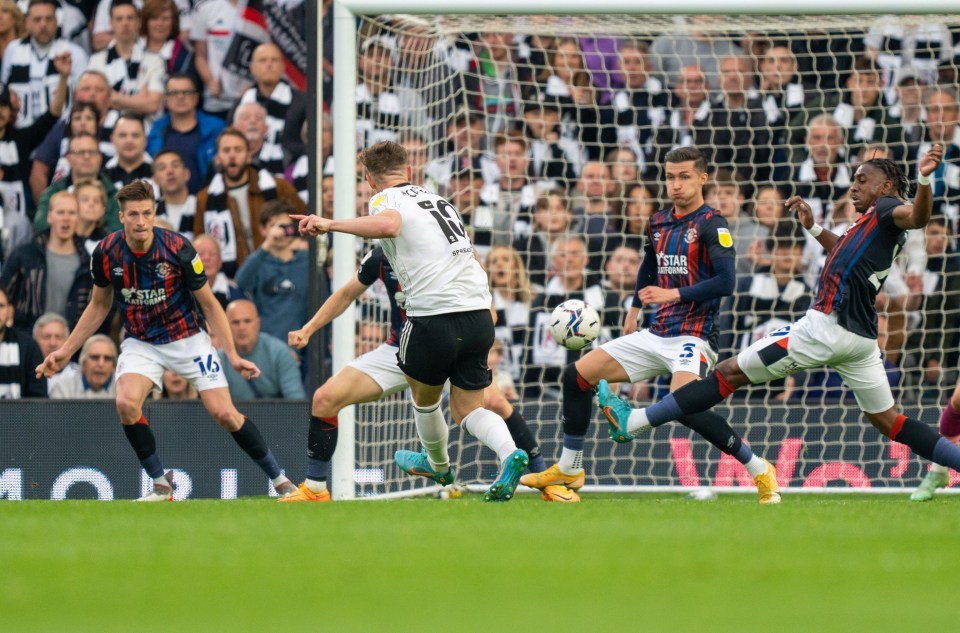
(550,147)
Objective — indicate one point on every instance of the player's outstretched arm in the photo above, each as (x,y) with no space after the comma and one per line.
(217,321)
(96,311)
(827,239)
(917,215)
(382,225)
(334,306)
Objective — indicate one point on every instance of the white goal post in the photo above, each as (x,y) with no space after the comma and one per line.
(820,444)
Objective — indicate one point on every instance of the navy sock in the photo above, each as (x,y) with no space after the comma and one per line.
(946,453)
(145,446)
(573,442)
(921,439)
(695,397)
(743,454)
(321,444)
(577,402)
(249,439)
(715,430)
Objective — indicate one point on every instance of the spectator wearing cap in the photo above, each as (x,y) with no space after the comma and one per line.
(186,130)
(95,380)
(285,107)
(17,142)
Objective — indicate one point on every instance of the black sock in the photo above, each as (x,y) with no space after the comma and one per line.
(322,439)
(918,436)
(577,402)
(521,433)
(249,439)
(714,429)
(145,446)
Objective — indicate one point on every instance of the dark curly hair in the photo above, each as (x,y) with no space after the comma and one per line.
(894,173)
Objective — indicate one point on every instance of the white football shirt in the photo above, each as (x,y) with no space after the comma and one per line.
(432,256)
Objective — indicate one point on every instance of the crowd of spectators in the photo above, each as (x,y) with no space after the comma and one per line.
(550,147)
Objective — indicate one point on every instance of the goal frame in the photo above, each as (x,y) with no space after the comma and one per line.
(343,112)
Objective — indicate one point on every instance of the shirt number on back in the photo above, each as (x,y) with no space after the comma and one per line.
(442,212)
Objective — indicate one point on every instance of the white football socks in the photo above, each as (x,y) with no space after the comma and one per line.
(571,461)
(637,422)
(491,430)
(756,466)
(433,431)
(937,468)
(314,485)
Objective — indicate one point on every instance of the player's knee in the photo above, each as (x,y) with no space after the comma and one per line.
(323,405)
(731,372)
(130,409)
(573,381)
(227,417)
(494,401)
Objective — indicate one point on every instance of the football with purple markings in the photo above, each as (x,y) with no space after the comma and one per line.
(574,324)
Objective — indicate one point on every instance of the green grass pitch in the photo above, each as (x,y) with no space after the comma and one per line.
(651,562)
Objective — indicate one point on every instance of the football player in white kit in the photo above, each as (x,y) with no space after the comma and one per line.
(449,327)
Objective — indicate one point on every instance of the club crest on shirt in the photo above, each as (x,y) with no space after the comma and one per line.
(726,240)
(691,236)
(163,269)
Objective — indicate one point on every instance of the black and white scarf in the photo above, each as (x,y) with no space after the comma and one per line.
(276,104)
(32,76)
(217,221)
(122,73)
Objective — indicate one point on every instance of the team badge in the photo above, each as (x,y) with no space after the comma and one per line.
(726,240)
(197,264)
(163,269)
(691,236)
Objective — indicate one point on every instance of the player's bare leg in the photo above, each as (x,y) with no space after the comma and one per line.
(347,387)
(132,391)
(494,400)
(939,476)
(245,433)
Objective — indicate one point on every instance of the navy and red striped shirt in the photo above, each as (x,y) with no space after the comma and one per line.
(857,267)
(684,249)
(153,290)
(375,266)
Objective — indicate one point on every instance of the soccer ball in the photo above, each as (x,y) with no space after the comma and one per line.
(574,324)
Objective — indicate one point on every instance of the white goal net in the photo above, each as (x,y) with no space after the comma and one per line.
(548,133)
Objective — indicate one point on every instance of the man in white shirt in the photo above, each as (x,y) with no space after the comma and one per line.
(449,328)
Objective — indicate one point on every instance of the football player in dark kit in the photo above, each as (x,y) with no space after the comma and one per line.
(840,330)
(688,266)
(157,280)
